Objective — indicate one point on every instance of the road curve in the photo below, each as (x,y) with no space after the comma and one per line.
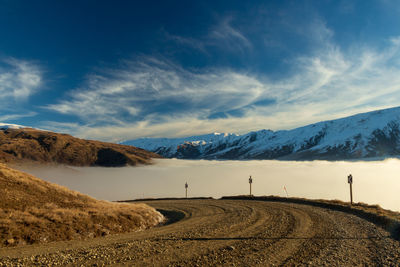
(228,233)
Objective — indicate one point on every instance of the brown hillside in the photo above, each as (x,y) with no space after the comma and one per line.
(32,211)
(21,145)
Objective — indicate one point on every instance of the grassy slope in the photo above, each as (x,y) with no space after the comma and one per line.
(22,145)
(32,210)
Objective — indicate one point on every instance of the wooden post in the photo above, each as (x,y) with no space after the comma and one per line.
(250,182)
(350,181)
(186,187)
(351,194)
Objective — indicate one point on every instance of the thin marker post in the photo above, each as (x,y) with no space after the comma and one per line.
(186,187)
(250,182)
(350,181)
(284,188)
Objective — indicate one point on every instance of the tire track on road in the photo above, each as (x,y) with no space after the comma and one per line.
(228,233)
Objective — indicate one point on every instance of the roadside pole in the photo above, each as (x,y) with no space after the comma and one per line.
(350,181)
(250,182)
(284,188)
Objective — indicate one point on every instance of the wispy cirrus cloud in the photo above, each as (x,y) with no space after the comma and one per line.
(19,79)
(158,98)
(227,36)
(223,35)
(11,117)
(193,43)
(151,89)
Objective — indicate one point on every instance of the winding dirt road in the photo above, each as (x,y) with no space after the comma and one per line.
(228,233)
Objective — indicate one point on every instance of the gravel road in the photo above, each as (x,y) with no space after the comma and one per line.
(228,233)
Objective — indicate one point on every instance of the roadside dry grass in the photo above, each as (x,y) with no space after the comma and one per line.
(33,211)
(387,219)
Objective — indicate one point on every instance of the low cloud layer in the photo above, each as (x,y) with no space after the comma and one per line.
(373,182)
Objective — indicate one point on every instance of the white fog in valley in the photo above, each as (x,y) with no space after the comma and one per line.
(375,182)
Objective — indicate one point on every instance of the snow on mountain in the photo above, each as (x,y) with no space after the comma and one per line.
(5,126)
(372,134)
(201,140)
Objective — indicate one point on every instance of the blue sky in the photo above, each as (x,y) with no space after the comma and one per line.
(118,70)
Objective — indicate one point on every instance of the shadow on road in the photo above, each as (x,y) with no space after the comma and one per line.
(273,238)
(171,215)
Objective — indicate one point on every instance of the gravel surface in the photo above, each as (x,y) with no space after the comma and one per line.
(228,233)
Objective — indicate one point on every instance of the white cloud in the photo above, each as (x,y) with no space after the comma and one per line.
(333,83)
(222,35)
(10,117)
(173,127)
(150,88)
(157,98)
(228,36)
(19,79)
(188,41)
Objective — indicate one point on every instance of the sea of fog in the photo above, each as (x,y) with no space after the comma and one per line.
(374,182)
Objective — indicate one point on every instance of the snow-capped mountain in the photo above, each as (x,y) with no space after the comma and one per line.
(372,134)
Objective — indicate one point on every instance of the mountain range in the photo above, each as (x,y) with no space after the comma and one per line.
(361,136)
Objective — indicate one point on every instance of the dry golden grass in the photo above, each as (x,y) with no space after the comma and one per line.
(32,211)
(24,145)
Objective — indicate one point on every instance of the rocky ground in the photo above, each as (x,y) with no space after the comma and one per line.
(228,233)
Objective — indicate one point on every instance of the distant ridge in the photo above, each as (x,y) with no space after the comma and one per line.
(361,136)
(5,126)
(21,145)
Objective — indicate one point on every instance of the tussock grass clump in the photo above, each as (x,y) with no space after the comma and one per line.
(33,211)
